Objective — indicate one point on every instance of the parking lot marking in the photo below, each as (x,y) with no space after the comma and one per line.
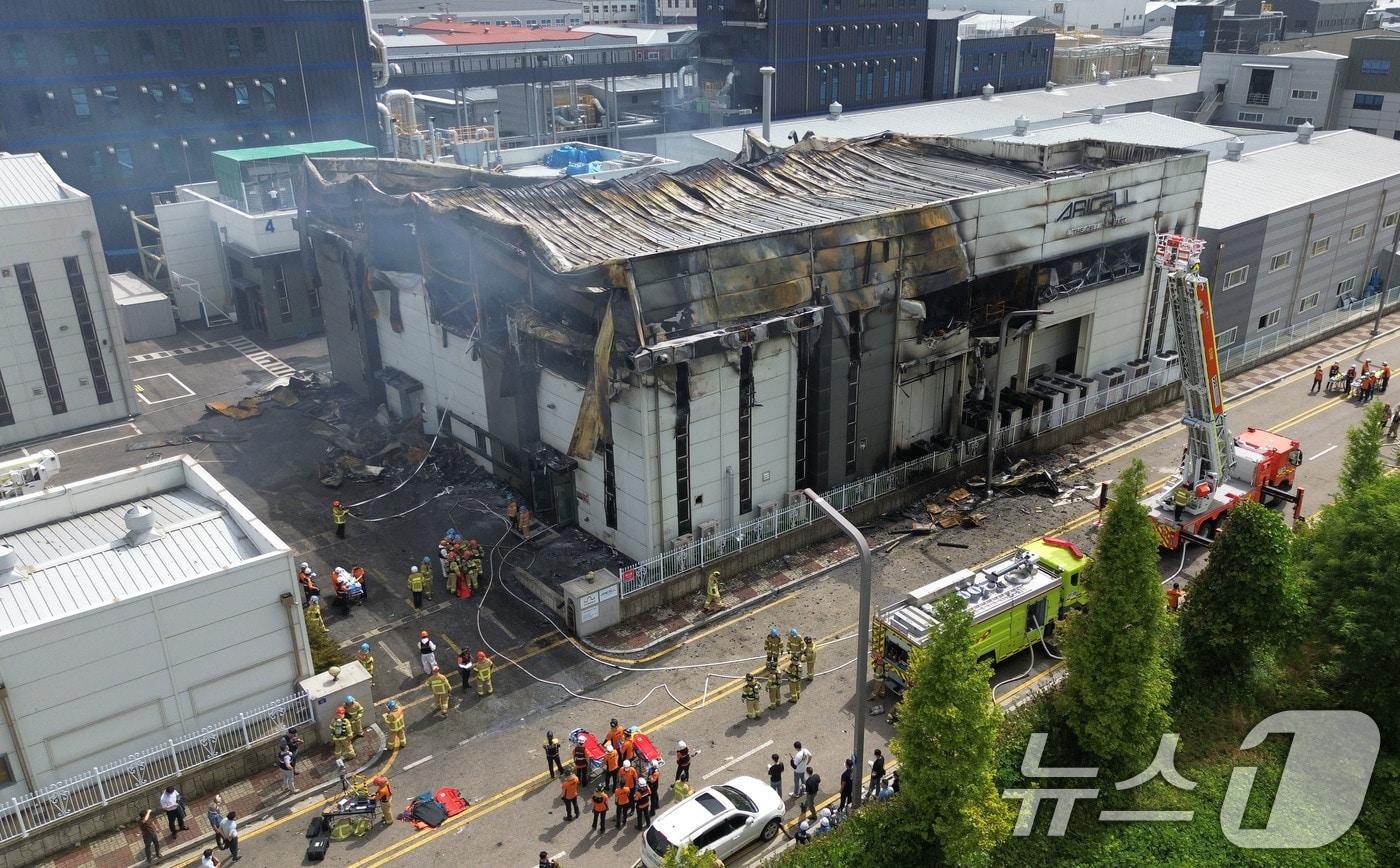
(189,393)
(740,757)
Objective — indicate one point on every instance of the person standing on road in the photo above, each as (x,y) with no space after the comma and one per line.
(794,674)
(355,716)
(1385,377)
(427,652)
(682,762)
(847,784)
(442,690)
(799,759)
(600,810)
(772,646)
(627,775)
(230,831)
(551,755)
(426,568)
(395,729)
(483,674)
(581,764)
(384,795)
(464,668)
(654,780)
(339,515)
(174,806)
(1351,375)
(416,582)
(775,774)
(150,835)
(750,694)
(775,692)
(877,771)
(611,763)
(811,786)
(1317,381)
(209,860)
(568,791)
(293,743)
(712,598)
(809,657)
(366,659)
(622,798)
(641,802)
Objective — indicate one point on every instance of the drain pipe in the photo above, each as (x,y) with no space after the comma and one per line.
(432,138)
(497,122)
(767,73)
(386,122)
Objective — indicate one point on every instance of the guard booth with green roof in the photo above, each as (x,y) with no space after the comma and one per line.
(256,180)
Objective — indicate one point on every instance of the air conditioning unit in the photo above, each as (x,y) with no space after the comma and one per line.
(1110,382)
(711,545)
(1166,367)
(1138,376)
(680,554)
(767,516)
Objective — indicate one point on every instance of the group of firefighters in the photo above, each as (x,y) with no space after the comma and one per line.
(801,653)
(623,783)
(1366,381)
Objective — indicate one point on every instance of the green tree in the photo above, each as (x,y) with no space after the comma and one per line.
(690,857)
(1119,684)
(1352,562)
(1362,462)
(1245,605)
(324,652)
(946,743)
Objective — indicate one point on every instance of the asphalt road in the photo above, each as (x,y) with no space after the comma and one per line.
(490,748)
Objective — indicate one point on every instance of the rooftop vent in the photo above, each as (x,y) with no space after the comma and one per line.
(1305,131)
(1049,87)
(1104,77)
(1023,123)
(140,525)
(1152,71)
(9,566)
(987,91)
(1233,149)
(1096,114)
(834,111)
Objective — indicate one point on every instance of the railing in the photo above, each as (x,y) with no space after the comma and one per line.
(1256,99)
(57,802)
(791,516)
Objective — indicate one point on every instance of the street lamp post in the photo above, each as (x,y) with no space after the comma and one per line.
(862,633)
(994,421)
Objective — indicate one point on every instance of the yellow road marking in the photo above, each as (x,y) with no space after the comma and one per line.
(334,797)
(534,652)
(625,661)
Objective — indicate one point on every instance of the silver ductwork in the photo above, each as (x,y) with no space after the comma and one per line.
(380,69)
(680,80)
(386,135)
(767,72)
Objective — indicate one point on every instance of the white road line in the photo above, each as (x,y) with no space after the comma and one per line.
(417,763)
(400,664)
(99,443)
(189,393)
(1323,452)
(502,628)
(743,756)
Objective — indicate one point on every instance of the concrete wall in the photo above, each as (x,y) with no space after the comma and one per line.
(192,249)
(151,668)
(42,236)
(1308,75)
(1384,123)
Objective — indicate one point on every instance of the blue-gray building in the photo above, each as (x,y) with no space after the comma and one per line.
(969,50)
(125,98)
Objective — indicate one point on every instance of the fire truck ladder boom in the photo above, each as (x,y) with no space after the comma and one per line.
(1210,446)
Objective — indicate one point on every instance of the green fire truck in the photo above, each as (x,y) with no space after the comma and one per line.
(1014,601)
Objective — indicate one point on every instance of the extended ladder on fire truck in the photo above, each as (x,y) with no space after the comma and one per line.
(1218,470)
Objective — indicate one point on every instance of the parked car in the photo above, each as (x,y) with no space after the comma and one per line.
(722,819)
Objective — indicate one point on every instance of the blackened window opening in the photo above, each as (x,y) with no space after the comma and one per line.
(852,392)
(745,430)
(609,486)
(29,295)
(91,345)
(682,449)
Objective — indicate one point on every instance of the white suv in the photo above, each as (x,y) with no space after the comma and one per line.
(722,819)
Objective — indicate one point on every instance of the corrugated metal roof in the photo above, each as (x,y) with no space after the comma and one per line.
(25,179)
(84,562)
(584,224)
(959,117)
(1274,179)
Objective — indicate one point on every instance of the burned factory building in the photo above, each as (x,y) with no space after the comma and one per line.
(662,357)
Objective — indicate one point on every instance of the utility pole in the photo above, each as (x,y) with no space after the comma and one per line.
(862,634)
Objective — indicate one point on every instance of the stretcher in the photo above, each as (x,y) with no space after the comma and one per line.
(646,750)
(591,749)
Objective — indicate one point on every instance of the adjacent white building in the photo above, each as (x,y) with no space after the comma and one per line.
(62,355)
(136,607)
(1065,14)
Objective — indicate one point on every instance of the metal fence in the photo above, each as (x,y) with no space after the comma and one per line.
(715,543)
(57,802)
